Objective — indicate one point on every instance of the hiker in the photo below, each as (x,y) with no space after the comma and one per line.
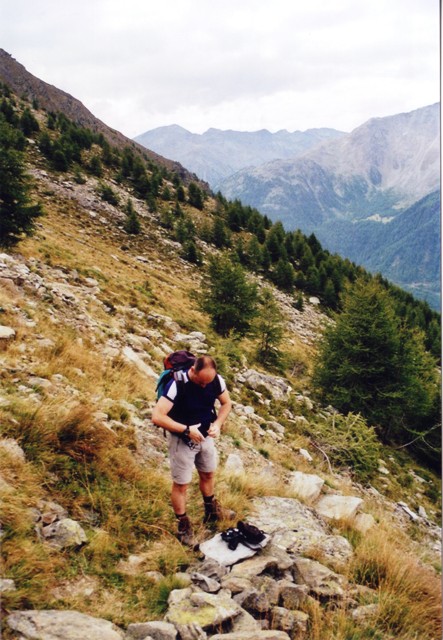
(186,410)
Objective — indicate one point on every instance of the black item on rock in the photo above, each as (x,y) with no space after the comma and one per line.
(244,533)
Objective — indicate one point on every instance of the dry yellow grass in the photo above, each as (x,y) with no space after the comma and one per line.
(409,592)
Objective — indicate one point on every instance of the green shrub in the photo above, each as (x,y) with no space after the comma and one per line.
(348,441)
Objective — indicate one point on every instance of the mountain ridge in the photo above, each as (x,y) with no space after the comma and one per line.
(377,171)
(24,83)
(217,153)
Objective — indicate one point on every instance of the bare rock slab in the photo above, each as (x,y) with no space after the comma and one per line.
(252,635)
(336,507)
(306,486)
(62,625)
(207,610)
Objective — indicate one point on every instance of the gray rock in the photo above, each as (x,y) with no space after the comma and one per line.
(254,567)
(191,631)
(305,454)
(409,511)
(64,533)
(234,464)
(335,507)
(131,356)
(208,610)
(6,333)
(296,528)
(273,514)
(365,612)
(252,635)
(206,584)
(236,584)
(6,584)
(61,625)
(295,623)
(322,582)
(277,387)
(306,486)
(12,447)
(155,630)
(292,595)
(363,522)
(212,569)
(254,601)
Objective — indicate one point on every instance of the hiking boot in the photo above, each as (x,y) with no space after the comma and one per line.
(215,512)
(185,532)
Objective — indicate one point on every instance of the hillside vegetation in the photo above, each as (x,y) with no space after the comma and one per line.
(108,261)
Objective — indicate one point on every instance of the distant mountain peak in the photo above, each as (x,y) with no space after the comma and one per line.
(216,153)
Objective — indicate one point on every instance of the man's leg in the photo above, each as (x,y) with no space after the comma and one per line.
(182,463)
(213,509)
(185,532)
(207,483)
(178,498)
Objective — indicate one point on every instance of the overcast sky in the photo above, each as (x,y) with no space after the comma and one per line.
(231,64)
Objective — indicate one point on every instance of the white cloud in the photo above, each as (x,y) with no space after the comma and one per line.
(242,65)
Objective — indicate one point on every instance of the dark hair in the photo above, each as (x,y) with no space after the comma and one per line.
(204,362)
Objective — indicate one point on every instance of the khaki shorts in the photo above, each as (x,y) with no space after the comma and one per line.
(183,458)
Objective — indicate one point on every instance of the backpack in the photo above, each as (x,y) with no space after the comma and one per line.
(174,365)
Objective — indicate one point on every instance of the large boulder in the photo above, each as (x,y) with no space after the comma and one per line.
(306,486)
(323,583)
(296,528)
(61,625)
(208,610)
(277,387)
(335,507)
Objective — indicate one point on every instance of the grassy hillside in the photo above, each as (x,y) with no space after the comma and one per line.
(94,309)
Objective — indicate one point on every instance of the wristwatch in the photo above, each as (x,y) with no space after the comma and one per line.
(186,432)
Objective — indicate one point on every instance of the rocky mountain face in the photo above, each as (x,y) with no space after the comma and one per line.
(373,174)
(385,165)
(215,155)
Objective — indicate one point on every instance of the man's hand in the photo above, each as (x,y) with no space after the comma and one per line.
(214,430)
(195,434)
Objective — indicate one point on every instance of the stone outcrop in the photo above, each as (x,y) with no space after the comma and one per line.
(61,625)
(278,388)
(306,486)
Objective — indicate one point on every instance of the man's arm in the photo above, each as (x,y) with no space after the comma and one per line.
(225,408)
(161,419)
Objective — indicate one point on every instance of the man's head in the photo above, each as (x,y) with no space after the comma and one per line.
(203,371)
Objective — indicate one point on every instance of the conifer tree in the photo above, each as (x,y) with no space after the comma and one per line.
(132,224)
(17,214)
(369,363)
(195,196)
(228,297)
(269,329)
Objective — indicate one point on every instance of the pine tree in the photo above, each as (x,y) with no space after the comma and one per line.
(17,214)
(220,235)
(228,297)
(132,224)
(195,196)
(269,329)
(370,364)
(283,275)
